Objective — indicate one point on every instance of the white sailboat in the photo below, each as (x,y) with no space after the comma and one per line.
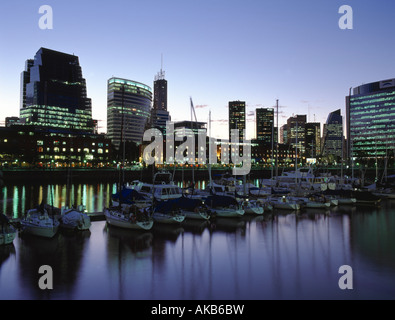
(168,212)
(38,222)
(224,206)
(128,217)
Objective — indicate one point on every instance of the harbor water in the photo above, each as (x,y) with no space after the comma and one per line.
(283,255)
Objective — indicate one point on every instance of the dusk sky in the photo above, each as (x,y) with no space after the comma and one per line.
(213,51)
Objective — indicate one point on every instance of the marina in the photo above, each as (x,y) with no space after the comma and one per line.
(278,254)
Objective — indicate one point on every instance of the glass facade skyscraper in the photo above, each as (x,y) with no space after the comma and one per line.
(237,117)
(371,119)
(128,110)
(53,93)
(265,124)
(332,137)
(296,133)
(313,139)
(159,113)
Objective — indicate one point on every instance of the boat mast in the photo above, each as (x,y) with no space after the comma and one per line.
(193,151)
(209,148)
(276,140)
(296,153)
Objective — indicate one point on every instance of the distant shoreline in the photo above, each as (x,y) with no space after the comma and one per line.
(32,176)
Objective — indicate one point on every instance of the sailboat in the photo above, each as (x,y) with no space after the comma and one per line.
(38,222)
(75,218)
(224,206)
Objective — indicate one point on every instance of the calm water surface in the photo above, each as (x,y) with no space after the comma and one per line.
(283,256)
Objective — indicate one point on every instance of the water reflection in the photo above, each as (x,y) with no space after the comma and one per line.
(63,253)
(278,256)
(17,199)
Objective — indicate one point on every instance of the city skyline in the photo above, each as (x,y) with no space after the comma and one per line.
(211,52)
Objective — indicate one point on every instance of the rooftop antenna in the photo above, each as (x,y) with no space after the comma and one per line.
(161,73)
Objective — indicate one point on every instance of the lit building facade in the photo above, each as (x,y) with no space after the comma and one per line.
(53,93)
(332,137)
(32,146)
(371,119)
(313,139)
(237,120)
(128,110)
(296,133)
(265,124)
(237,117)
(159,113)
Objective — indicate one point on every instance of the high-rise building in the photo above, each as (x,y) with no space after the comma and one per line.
(159,113)
(237,118)
(25,79)
(160,91)
(332,137)
(128,110)
(283,134)
(296,133)
(371,119)
(313,139)
(265,124)
(53,93)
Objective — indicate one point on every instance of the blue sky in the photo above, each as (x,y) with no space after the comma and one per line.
(214,51)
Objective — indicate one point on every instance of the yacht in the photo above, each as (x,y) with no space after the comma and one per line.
(224,206)
(75,218)
(128,217)
(38,222)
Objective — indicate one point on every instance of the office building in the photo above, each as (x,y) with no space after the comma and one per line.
(128,110)
(265,124)
(159,113)
(313,139)
(371,119)
(296,133)
(53,93)
(237,118)
(332,137)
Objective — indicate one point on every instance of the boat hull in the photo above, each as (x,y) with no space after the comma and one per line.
(75,220)
(228,213)
(348,201)
(126,223)
(39,231)
(168,218)
(318,205)
(196,216)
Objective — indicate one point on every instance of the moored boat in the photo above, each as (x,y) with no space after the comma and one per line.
(38,222)
(224,206)
(284,203)
(128,217)
(168,212)
(74,219)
